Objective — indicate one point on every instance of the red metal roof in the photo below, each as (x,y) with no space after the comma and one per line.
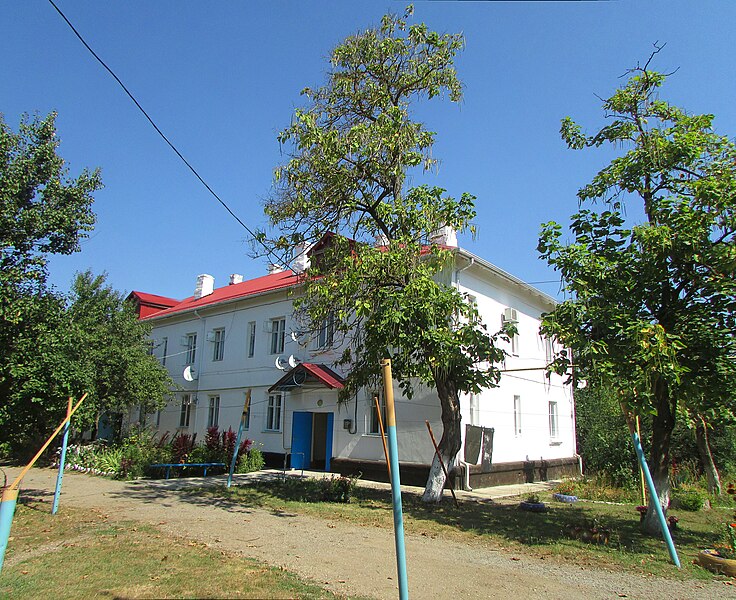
(267,283)
(153,299)
(309,372)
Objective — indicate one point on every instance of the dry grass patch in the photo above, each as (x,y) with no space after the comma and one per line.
(82,554)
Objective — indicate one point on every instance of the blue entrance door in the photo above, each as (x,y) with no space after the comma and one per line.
(301,440)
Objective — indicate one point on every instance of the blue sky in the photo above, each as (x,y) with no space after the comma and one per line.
(222,78)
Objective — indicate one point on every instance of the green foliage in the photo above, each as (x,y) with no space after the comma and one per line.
(605,489)
(337,488)
(381,279)
(566,487)
(308,489)
(651,313)
(53,346)
(689,498)
(250,461)
(42,210)
(603,436)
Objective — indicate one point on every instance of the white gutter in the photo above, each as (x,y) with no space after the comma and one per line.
(505,275)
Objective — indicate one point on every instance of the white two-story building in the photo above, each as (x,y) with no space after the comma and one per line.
(225,342)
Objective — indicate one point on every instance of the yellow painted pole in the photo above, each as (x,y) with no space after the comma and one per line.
(383,435)
(27,468)
(641,471)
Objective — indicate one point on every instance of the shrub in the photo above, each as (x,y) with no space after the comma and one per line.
(337,489)
(566,487)
(181,446)
(689,498)
(251,460)
(602,487)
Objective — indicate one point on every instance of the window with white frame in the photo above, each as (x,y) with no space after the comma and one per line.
(374,426)
(474,409)
(213,414)
(278,332)
(554,430)
(549,350)
(164,350)
(218,352)
(326,332)
(273,412)
(186,410)
(191,353)
(517,416)
(510,316)
(251,339)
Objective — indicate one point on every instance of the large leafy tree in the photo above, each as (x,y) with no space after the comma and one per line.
(110,351)
(43,211)
(53,346)
(652,308)
(350,151)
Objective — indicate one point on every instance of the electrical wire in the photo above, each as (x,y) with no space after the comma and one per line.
(158,130)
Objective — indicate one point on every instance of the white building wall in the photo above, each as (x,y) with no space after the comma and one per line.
(535,391)
(231,377)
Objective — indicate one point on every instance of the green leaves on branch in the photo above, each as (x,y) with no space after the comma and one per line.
(387,286)
(652,304)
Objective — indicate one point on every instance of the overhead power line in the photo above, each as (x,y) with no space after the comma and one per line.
(156,127)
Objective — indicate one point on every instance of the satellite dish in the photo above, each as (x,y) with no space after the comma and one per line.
(293,361)
(299,337)
(280,364)
(190,373)
(582,384)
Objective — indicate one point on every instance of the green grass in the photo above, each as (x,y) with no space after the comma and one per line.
(501,525)
(82,554)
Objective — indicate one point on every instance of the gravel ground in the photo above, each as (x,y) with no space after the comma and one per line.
(351,559)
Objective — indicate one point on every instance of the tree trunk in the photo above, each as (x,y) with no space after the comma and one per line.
(450,442)
(659,457)
(706,458)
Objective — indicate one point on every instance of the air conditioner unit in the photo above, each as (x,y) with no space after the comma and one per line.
(184,341)
(510,316)
(268,326)
(211,336)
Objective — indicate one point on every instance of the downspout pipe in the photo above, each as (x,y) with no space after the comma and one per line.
(465,466)
(200,344)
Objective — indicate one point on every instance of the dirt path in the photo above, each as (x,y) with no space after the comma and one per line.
(349,559)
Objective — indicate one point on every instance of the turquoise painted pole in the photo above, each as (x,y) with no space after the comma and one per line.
(654,499)
(62,460)
(7,510)
(393,454)
(243,419)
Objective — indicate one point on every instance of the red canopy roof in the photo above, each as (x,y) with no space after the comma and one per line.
(309,373)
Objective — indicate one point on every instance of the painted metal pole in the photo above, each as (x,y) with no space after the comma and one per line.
(641,471)
(393,453)
(655,499)
(10,493)
(243,419)
(62,459)
(27,468)
(7,510)
(442,463)
(383,435)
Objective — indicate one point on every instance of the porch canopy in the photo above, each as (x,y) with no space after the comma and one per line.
(311,374)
